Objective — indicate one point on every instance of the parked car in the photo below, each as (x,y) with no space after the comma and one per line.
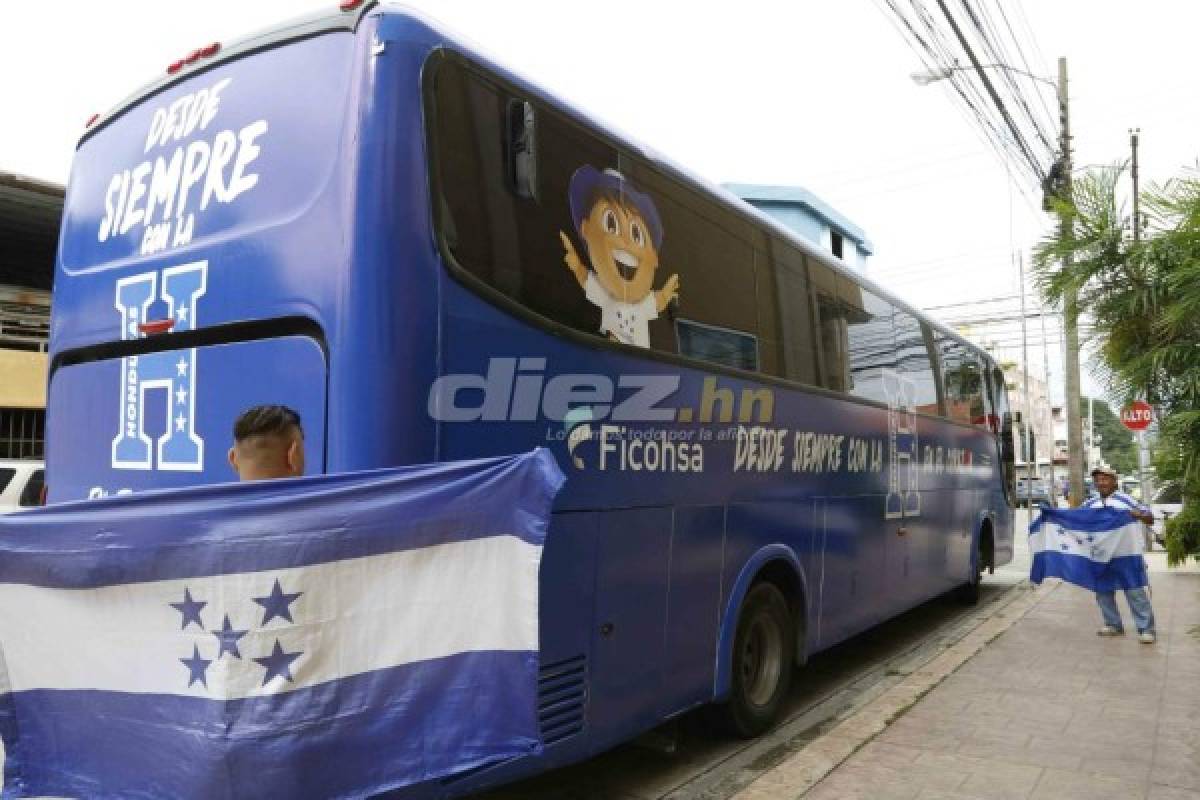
(20,484)
(1167,502)
(1032,492)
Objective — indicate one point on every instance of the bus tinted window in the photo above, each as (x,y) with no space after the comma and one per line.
(962,375)
(717,345)
(913,345)
(706,249)
(512,243)
(787,333)
(591,238)
(831,328)
(870,341)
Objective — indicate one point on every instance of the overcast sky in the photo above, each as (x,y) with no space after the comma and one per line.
(815,94)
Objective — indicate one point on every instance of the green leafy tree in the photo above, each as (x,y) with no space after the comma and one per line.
(1143,299)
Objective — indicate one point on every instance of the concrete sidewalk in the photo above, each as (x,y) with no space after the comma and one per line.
(1046,709)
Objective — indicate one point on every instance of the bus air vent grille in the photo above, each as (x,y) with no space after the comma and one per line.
(562,698)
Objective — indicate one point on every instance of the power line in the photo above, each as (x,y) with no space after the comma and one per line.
(987,82)
(933,61)
(1004,131)
(1024,61)
(972,302)
(994,43)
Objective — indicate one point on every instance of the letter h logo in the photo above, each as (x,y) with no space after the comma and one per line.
(175,371)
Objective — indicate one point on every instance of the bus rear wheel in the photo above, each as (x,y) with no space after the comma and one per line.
(968,593)
(762,663)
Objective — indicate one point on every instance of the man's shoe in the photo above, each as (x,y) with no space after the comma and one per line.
(1146,637)
(1109,630)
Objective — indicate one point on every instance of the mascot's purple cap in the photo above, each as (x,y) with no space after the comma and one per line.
(587,179)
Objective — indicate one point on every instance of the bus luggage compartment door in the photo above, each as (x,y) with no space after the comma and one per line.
(632,567)
(165,419)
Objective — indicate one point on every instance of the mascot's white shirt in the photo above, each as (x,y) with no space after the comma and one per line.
(627,322)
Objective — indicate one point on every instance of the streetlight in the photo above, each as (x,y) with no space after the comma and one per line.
(932,76)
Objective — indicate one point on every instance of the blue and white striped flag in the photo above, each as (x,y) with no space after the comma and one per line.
(1097,548)
(335,636)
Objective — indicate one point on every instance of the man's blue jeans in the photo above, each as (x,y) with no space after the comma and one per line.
(1139,604)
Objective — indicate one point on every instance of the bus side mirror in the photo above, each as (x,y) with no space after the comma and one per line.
(522,149)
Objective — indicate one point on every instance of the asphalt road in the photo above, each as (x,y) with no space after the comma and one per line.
(685,760)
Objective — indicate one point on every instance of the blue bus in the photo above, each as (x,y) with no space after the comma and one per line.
(431,259)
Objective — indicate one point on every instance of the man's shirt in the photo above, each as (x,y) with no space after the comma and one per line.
(1114,500)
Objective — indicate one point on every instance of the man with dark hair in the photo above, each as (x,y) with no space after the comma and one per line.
(268,442)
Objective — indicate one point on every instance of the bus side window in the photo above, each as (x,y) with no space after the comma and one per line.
(955,378)
(708,248)
(975,392)
(832,351)
(913,361)
(870,340)
(502,171)
(786,314)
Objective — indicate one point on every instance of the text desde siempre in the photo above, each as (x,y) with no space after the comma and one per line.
(195,173)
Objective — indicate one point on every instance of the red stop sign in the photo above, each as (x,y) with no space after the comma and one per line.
(1137,416)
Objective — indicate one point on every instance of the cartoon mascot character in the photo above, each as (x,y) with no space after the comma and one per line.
(622,235)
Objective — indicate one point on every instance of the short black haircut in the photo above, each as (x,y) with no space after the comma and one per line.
(265,421)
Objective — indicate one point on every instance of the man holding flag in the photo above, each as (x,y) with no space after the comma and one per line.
(1099,547)
(1107,496)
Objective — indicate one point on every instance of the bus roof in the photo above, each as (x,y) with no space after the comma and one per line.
(298,28)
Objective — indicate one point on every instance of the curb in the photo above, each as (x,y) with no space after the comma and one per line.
(795,776)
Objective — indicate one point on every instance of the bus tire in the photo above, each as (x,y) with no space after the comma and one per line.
(761,668)
(968,593)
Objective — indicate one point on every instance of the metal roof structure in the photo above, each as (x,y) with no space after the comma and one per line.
(30,216)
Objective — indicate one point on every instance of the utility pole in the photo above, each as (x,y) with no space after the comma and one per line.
(1030,459)
(1070,307)
(1046,377)
(1143,453)
(1137,216)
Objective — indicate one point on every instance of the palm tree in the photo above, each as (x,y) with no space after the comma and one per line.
(1144,301)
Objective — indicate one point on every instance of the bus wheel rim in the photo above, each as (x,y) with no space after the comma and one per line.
(761,660)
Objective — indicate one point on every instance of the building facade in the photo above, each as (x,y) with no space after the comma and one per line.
(30,216)
(1037,416)
(806,214)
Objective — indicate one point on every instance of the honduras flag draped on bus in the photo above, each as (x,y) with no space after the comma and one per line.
(335,636)
(1097,548)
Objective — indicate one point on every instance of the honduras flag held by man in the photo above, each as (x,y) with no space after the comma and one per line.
(1097,548)
(335,636)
